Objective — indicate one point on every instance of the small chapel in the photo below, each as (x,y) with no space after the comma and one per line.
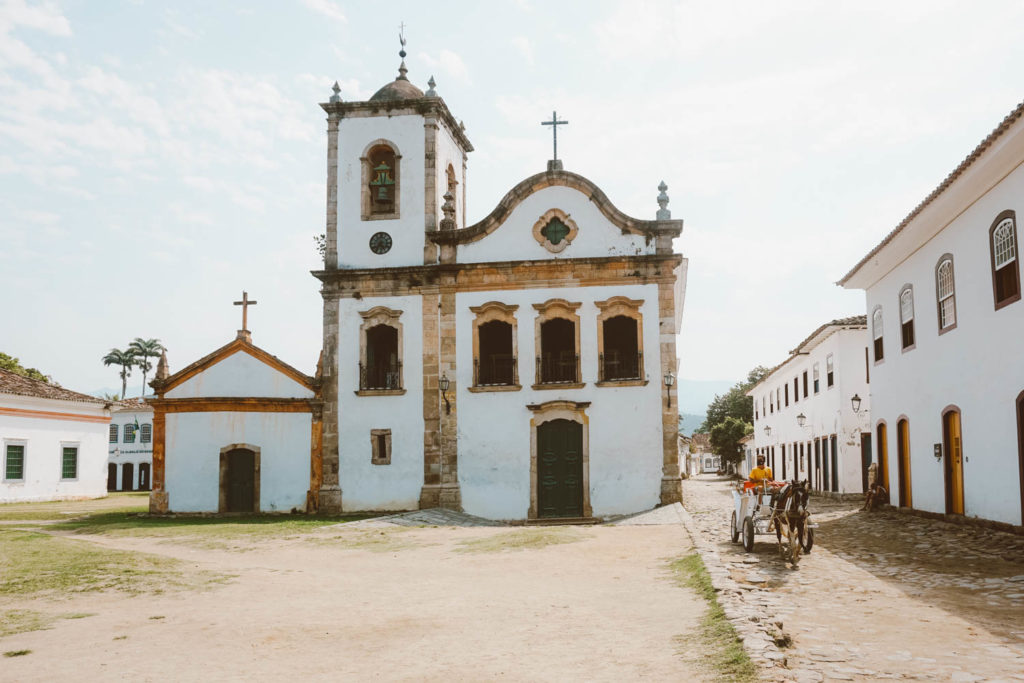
(520,367)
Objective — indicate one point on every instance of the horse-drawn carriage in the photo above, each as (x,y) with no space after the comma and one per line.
(767,506)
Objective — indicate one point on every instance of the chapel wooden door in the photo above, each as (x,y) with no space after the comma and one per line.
(560,469)
(127,477)
(954,465)
(240,481)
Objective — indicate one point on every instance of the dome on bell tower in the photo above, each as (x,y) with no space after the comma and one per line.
(400,88)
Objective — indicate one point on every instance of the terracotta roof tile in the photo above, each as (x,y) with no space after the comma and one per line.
(17,385)
(1004,125)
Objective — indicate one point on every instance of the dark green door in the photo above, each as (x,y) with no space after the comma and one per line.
(560,469)
(241,480)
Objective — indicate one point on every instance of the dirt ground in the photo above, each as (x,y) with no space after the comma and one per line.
(364,603)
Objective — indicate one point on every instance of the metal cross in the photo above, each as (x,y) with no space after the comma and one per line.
(245,303)
(554,123)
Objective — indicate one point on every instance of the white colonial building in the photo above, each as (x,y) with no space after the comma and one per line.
(514,367)
(54,441)
(947,328)
(812,413)
(130,451)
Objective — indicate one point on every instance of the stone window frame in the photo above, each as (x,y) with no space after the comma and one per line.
(559,410)
(365,201)
(77,445)
(611,308)
(24,460)
(222,492)
(375,456)
(550,310)
(381,315)
(145,433)
(506,313)
(544,220)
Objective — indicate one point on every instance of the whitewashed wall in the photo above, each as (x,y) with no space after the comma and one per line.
(513,240)
(44,439)
(449,152)
(119,453)
(828,412)
(494,427)
(240,375)
(366,486)
(976,366)
(354,134)
(193,444)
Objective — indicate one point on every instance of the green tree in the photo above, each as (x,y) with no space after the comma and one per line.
(14,365)
(734,403)
(143,350)
(126,360)
(725,438)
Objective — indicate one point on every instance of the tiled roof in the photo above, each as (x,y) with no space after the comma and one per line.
(132,404)
(852,321)
(13,383)
(1010,119)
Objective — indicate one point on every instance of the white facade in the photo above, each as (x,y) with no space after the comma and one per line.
(970,366)
(393,439)
(53,449)
(130,446)
(832,449)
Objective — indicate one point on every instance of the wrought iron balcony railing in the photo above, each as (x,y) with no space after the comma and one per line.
(496,369)
(612,366)
(380,376)
(560,368)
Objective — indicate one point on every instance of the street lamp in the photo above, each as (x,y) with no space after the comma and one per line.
(670,379)
(855,402)
(767,430)
(801,419)
(445,383)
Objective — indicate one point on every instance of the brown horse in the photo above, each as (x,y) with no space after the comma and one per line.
(790,518)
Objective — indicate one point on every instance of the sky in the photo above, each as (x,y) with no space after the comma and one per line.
(158,158)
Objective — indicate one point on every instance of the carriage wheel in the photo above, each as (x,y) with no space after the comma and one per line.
(734,531)
(807,540)
(748,534)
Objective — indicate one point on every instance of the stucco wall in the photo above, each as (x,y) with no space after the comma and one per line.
(513,240)
(240,375)
(44,439)
(624,423)
(193,445)
(354,134)
(975,366)
(366,486)
(827,412)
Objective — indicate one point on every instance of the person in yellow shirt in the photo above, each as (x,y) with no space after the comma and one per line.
(760,473)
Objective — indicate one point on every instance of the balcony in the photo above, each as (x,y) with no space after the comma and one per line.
(614,366)
(381,377)
(495,370)
(558,368)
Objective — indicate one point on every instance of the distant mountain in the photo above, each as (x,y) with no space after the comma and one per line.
(688,422)
(133,392)
(695,395)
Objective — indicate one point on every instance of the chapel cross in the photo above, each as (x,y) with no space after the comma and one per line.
(554,123)
(245,303)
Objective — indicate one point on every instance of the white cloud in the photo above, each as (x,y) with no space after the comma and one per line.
(43,16)
(525,47)
(447,63)
(329,9)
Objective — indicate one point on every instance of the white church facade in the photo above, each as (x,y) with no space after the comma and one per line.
(515,367)
(946,320)
(518,368)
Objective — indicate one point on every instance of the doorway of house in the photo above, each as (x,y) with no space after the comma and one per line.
(865,458)
(111,477)
(560,469)
(238,480)
(903,462)
(127,476)
(144,476)
(953,456)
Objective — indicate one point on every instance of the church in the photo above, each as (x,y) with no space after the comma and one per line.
(520,367)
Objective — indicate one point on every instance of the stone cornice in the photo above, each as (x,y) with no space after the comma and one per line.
(553,178)
(423,106)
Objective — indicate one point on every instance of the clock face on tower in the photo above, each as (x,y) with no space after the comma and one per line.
(380,243)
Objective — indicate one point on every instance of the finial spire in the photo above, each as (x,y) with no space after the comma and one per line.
(336,97)
(162,369)
(401,53)
(663,213)
(431,92)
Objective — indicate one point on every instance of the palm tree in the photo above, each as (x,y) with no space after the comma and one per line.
(126,359)
(143,350)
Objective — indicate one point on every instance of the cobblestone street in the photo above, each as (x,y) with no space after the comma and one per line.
(881,596)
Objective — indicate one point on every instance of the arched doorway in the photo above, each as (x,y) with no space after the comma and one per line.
(560,469)
(903,458)
(239,478)
(882,445)
(127,476)
(144,476)
(953,459)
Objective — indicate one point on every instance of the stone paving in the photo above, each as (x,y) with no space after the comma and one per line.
(431,517)
(881,596)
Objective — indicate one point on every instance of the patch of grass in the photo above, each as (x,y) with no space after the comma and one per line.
(522,539)
(25,620)
(32,562)
(17,653)
(123,502)
(374,540)
(721,648)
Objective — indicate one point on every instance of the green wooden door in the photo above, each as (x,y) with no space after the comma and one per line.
(241,480)
(560,469)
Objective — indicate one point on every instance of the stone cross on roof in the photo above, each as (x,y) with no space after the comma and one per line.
(554,123)
(245,303)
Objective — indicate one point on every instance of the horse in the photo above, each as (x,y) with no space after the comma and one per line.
(789,515)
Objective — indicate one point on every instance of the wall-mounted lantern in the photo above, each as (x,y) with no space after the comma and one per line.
(855,402)
(445,383)
(670,379)
(801,419)
(767,431)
